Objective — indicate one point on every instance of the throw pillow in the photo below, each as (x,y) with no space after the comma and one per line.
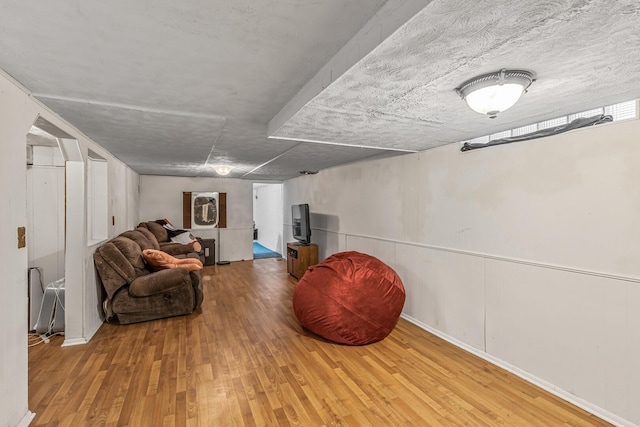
(159,260)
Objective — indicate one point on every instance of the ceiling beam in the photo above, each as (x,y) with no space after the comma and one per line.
(393,15)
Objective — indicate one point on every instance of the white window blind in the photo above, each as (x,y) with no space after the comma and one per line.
(622,111)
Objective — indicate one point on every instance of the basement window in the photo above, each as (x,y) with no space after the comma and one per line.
(617,112)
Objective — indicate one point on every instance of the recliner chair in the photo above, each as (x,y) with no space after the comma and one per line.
(135,293)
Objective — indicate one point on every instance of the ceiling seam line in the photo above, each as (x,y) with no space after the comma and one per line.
(271,160)
(213,147)
(342,144)
(126,106)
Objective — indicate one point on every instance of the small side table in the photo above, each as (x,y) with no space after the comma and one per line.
(209,248)
(300,257)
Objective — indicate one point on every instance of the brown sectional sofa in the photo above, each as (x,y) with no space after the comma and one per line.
(134,292)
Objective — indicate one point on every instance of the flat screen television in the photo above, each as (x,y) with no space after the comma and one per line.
(300,223)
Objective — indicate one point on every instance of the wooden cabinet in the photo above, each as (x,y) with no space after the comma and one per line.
(300,257)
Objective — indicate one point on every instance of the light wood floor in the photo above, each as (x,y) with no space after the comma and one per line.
(243,360)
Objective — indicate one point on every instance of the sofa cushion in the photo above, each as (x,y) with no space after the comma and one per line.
(113,267)
(130,309)
(161,233)
(141,239)
(150,236)
(131,252)
(161,281)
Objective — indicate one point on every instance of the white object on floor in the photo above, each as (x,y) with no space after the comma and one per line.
(51,318)
(36,291)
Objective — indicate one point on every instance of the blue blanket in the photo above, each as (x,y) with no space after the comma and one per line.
(260,251)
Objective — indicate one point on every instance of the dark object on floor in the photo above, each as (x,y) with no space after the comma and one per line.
(349,298)
(260,252)
(209,251)
(224,262)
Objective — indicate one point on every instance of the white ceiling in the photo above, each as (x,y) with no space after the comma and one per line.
(172,88)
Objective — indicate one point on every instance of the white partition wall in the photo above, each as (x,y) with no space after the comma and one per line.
(524,253)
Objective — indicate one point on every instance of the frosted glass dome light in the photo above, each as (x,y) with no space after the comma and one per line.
(222,169)
(496,92)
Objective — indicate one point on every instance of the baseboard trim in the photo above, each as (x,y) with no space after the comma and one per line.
(545,385)
(26,420)
(75,341)
(83,340)
(93,332)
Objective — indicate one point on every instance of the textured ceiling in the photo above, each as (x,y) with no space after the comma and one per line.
(584,54)
(173,88)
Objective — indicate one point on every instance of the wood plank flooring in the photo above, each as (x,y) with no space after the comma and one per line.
(244,360)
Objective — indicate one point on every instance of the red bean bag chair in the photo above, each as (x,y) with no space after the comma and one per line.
(349,298)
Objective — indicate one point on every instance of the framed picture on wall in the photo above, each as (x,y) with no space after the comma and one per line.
(204,209)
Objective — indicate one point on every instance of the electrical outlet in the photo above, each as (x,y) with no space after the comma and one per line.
(22,237)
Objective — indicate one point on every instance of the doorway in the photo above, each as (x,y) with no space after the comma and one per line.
(56,201)
(267,221)
(45,220)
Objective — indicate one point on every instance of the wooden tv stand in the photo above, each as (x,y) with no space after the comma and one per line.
(300,257)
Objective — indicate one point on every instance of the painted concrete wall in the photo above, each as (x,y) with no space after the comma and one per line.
(161,197)
(524,254)
(18,111)
(268,216)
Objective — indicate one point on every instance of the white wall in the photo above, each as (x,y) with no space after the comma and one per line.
(15,120)
(123,210)
(268,215)
(523,253)
(161,197)
(98,221)
(45,222)
(18,111)
(124,204)
(45,212)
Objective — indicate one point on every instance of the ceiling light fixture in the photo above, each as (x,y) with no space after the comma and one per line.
(222,169)
(495,92)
